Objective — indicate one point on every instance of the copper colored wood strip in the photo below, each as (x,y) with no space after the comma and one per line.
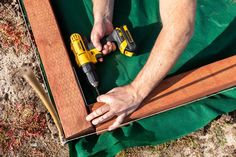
(183,88)
(65,91)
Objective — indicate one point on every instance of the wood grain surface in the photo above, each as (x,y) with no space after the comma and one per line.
(181,89)
(62,81)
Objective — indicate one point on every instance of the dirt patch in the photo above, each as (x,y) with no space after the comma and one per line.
(217,139)
(26,128)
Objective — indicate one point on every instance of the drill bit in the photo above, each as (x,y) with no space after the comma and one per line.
(97,91)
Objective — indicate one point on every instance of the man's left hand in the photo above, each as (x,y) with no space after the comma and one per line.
(120,102)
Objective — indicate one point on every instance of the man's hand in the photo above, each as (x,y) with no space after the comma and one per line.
(100,29)
(120,102)
(178,22)
(102,13)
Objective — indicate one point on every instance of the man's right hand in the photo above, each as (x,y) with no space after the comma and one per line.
(100,29)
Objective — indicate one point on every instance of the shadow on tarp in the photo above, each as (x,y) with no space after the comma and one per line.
(223,46)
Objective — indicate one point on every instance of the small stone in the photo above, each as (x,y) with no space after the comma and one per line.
(33,144)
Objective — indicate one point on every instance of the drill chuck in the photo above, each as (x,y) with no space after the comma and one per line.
(89,70)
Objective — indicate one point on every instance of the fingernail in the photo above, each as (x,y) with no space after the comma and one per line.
(87,118)
(94,122)
(110,129)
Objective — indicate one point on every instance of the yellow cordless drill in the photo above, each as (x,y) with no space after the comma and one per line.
(86,55)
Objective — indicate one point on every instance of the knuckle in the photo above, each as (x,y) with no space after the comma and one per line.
(94,36)
(110,99)
(97,112)
(107,99)
(107,115)
(113,112)
(104,108)
(102,118)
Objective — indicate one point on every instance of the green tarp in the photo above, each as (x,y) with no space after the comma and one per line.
(214,39)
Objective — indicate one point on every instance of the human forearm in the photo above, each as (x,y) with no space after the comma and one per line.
(178,20)
(102,12)
(176,33)
(103,9)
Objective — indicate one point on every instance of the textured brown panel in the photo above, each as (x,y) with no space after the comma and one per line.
(183,88)
(65,91)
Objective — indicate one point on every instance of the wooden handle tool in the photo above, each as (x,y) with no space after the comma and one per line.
(34,83)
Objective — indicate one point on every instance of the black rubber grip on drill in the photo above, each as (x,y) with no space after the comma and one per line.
(103,41)
(98,56)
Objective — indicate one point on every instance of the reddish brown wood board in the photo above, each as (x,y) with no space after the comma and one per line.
(66,93)
(183,88)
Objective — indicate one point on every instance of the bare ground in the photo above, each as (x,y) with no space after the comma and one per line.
(218,139)
(26,128)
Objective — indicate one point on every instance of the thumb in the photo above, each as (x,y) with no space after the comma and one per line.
(105,99)
(118,122)
(95,38)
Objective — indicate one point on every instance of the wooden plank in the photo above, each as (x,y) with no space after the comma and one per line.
(183,88)
(65,91)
